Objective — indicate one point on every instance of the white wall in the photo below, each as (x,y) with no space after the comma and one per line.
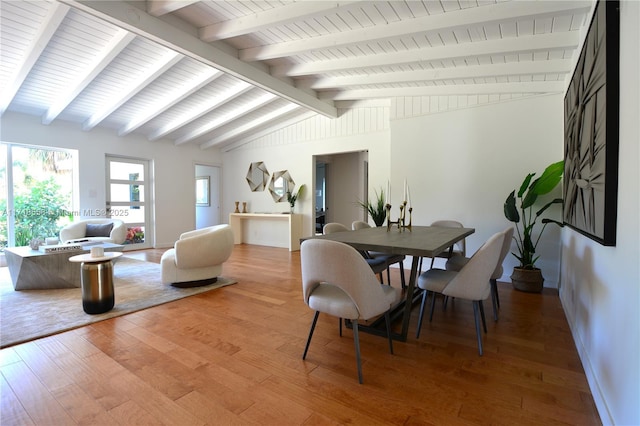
(174,181)
(462,164)
(293,149)
(600,286)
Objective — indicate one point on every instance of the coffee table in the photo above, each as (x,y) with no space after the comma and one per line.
(35,270)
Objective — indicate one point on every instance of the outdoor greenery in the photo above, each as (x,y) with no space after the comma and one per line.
(37,210)
(527,196)
(377,209)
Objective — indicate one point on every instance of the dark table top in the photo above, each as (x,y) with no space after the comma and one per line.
(424,241)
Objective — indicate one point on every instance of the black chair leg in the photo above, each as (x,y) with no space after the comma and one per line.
(494,287)
(476,308)
(313,327)
(387,320)
(340,326)
(484,321)
(356,341)
(494,302)
(433,305)
(424,299)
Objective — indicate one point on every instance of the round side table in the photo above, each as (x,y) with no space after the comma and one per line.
(97,281)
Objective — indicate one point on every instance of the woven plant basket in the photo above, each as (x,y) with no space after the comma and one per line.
(529,280)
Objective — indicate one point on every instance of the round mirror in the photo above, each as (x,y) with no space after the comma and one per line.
(257,176)
(281,183)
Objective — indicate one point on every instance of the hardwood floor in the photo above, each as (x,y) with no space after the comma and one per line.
(233,356)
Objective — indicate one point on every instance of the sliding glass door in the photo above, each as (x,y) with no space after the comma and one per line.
(128,198)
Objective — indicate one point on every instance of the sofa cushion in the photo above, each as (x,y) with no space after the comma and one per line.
(98,229)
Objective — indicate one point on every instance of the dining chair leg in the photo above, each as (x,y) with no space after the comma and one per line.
(484,321)
(494,288)
(356,341)
(313,327)
(493,303)
(340,326)
(433,305)
(476,308)
(387,320)
(421,315)
(389,276)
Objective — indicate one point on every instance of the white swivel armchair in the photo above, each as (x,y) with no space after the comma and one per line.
(197,257)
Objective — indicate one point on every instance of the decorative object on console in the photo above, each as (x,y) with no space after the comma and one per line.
(237,210)
(281,183)
(292,198)
(591,129)
(244,207)
(526,245)
(257,176)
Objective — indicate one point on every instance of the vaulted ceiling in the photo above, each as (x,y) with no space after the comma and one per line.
(213,72)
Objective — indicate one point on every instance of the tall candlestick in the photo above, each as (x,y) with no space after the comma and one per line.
(404,194)
(388,192)
(409,193)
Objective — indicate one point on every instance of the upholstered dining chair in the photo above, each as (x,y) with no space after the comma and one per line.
(377,265)
(470,283)
(337,281)
(390,259)
(457,262)
(458,249)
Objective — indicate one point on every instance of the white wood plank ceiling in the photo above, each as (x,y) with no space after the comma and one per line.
(215,72)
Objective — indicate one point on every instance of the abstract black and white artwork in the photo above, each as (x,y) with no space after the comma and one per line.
(591,110)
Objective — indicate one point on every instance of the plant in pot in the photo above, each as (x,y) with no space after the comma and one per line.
(519,209)
(292,198)
(377,209)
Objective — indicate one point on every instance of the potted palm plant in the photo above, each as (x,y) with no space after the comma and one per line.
(292,198)
(377,209)
(519,209)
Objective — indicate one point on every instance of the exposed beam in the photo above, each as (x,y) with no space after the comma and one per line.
(229,94)
(454,89)
(239,130)
(104,58)
(269,18)
(505,46)
(450,21)
(47,28)
(558,66)
(162,7)
(223,119)
(171,98)
(133,19)
(157,69)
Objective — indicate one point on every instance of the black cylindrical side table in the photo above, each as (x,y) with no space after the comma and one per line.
(97,282)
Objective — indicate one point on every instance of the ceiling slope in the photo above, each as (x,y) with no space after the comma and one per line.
(213,73)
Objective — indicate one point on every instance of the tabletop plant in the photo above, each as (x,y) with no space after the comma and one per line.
(376,209)
(525,218)
(293,197)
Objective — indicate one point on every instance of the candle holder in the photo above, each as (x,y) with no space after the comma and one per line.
(401,222)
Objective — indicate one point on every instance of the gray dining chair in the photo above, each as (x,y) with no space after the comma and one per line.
(458,249)
(378,265)
(470,283)
(456,263)
(337,281)
(389,259)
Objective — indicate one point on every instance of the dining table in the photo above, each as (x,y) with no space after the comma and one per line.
(418,242)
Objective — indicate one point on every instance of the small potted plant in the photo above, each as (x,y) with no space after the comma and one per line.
(292,198)
(518,208)
(377,209)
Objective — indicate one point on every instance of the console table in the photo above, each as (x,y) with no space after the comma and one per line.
(267,229)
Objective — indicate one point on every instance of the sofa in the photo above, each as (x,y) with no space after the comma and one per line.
(196,258)
(99,229)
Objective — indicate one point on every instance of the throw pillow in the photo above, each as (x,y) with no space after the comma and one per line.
(98,230)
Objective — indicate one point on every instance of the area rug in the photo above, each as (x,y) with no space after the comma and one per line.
(30,314)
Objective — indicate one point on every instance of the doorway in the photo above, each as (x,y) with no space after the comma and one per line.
(340,182)
(208,195)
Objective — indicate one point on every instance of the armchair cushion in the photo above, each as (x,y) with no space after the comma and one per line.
(98,230)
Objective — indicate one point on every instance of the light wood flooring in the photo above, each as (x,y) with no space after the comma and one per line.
(233,356)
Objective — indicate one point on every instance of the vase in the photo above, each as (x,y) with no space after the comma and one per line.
(244,207)
(237,204)
(528,280)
